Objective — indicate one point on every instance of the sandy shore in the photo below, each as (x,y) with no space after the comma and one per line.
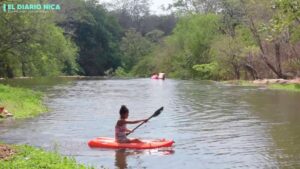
(276,81)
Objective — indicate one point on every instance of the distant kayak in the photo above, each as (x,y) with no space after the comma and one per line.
(158,76)
(154,77)
(104,142)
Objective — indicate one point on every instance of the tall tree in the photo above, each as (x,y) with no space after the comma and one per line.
(131,13)
(189,45)
(256,13)
(96,33)
(196,6)
(32,45)
(134,47)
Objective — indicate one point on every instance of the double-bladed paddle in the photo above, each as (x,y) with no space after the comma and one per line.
(155,114)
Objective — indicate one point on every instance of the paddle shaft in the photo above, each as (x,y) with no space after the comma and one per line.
(138,126)
(155,114)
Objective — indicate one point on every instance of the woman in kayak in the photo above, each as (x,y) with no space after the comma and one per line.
(121,129)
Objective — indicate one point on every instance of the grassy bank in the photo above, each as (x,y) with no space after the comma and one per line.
(287,87)
(22,103)
(28,157)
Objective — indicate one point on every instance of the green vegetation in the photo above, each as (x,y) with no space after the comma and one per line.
(134,46)
(33,158)
(82,41)
(120,72)
(225,40)
(216,40)
(97,34)
(288,87)
(22,103)
(32,45)
(84,38)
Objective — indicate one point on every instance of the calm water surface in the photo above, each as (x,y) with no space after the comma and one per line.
(214,125)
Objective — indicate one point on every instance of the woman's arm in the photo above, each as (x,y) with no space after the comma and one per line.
(135,121)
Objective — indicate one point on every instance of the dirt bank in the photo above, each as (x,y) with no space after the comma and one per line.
(6,152)
(277,81)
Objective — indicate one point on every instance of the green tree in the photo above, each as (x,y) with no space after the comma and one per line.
(32,45)
(208,71)
(155,35)
(257,13)
(191,42)
(196,6)
(96,33)
(134,47)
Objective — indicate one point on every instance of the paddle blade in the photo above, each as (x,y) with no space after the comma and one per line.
(157,112)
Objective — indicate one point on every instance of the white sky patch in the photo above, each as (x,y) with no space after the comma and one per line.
(155,5)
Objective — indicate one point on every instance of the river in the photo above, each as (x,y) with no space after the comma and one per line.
(213,125)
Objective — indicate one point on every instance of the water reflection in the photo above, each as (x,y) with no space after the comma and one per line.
(39,83)
(122,155)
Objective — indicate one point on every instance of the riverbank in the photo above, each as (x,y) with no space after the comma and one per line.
(25,103)
(20,102)
(24,157)
(277,84)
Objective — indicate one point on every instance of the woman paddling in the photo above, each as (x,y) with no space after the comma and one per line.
(121,129)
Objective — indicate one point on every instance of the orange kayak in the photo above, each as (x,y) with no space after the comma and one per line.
(104,142)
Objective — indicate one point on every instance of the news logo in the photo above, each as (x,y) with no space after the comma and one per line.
(30,7)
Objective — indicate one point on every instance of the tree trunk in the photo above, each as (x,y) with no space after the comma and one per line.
(238,74)
(9,72)
(278,60)
(23,69)
(251,70)
(236,71)
(263,53)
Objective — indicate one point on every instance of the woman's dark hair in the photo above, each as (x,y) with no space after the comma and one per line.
(123,111)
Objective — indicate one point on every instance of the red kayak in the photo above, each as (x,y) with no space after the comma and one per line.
(104,142)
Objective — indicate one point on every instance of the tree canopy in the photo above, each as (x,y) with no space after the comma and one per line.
(215,39)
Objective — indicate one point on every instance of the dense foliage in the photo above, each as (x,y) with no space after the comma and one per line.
(232,39)
(32,45)
(95,32)
(217,39)
(80,39)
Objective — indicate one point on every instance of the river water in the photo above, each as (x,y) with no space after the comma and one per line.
(213,125)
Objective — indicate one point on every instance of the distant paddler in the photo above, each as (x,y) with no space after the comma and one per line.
(158,76)
(161,76)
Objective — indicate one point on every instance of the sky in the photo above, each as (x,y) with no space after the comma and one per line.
(155,7)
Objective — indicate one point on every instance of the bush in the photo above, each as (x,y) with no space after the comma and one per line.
(207,71)
(120,72)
